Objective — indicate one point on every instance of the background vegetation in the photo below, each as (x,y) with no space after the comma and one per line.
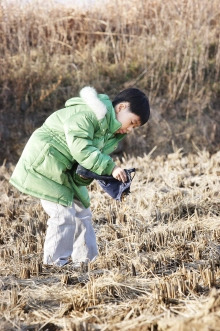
(169,49)
(159,250)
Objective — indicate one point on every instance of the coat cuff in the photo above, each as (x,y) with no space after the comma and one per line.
(81,181)
(109,169)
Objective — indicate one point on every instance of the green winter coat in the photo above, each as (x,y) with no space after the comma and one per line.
(82,133)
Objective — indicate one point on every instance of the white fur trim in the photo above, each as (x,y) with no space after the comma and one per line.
(89,95)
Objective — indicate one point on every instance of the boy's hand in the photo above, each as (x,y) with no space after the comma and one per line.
(119,174)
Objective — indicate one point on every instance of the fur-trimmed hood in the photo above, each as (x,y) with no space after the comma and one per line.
(89,97)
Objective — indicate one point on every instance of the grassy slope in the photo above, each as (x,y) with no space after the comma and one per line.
(158,264)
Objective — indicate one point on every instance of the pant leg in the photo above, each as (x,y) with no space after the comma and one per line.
(84,246)
(58,244)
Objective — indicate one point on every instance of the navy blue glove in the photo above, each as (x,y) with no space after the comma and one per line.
(109,184)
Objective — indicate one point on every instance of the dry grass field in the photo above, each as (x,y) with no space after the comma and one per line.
(159,251)
(170,49)
(159,255)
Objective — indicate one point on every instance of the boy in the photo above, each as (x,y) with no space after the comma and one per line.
(84,133)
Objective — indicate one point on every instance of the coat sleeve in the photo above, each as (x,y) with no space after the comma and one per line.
(79,132)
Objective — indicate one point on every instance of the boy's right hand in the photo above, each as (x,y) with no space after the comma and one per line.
(119,174)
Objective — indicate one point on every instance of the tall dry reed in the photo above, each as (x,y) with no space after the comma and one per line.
(169,48)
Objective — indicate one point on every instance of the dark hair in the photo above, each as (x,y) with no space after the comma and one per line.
(139,103)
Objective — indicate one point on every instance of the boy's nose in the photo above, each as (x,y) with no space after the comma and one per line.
(129,129)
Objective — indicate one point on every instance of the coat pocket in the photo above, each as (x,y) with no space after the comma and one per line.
(52,164)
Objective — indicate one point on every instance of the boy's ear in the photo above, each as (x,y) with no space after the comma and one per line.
(120,106)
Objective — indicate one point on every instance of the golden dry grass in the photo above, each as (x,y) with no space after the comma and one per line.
(159,252)
(159,255)
(168,48)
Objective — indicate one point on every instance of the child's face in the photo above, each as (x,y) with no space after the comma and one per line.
(127,119)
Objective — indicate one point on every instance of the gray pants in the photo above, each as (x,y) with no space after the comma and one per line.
(69,233)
